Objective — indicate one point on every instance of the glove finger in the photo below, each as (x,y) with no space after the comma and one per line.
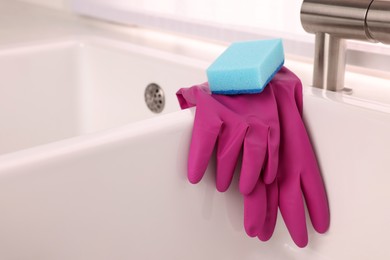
(271,168)
(229,146)
(272,119)
(204,135)
(268,228)
(255,208)
(315,197)
(313,187)
(254,153)
(292,209)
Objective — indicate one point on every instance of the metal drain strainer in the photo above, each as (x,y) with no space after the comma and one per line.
(154,98)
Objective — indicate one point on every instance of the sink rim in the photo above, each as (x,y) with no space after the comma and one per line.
(88,141)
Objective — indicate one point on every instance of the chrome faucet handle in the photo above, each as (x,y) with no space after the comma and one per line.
(333,21)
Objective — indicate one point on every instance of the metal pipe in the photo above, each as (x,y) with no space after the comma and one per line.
(333,21)
(329,62)
(341,18)
(378,21)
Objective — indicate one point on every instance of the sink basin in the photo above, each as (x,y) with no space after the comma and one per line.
(61,89)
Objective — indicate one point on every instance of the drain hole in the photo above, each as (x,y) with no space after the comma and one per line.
(154,98)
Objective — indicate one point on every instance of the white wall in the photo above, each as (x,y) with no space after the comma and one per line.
(56,4)
(277,15)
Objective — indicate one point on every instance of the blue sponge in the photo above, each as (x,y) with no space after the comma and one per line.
(246,67)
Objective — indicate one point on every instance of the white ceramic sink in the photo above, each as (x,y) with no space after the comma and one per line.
(122,193)
(56,90)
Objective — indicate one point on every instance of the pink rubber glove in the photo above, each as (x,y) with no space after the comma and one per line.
(298,172)
(232,123)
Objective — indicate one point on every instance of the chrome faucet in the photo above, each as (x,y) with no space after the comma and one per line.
(334,21)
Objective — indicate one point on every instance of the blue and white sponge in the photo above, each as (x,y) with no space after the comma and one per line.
(246,67)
